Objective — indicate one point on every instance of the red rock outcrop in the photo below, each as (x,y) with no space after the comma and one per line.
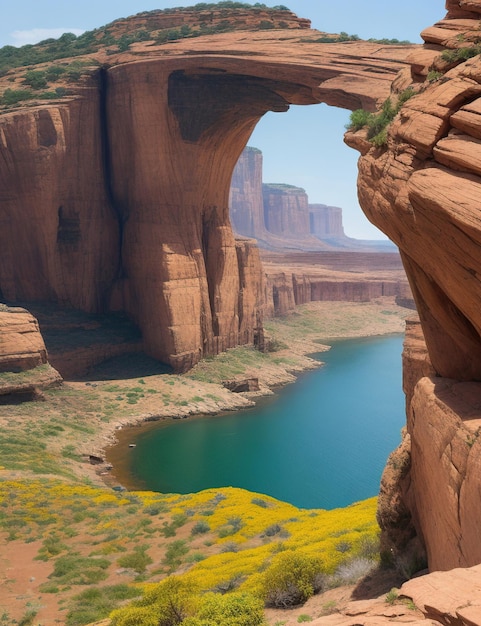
(286,210)
(423,193)
(296,278)
(23,356)
(117,196)
(21,344)
(245,200)
(326,221)
(422,189)
(448,598)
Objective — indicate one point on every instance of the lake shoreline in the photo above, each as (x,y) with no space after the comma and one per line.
(114,443)
(305,445)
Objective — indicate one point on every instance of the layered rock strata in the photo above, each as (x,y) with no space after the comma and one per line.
(286,210)
(279,216)
(422,189)
(23,356)
(116,197)
(21,344)
(245,199)
(295,278)
(326,221)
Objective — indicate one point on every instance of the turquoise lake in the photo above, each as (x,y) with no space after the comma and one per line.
(321,442)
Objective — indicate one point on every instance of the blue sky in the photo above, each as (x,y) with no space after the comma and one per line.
(303,147)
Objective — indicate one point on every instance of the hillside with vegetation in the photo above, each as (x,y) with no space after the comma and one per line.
(54,68)
(78,545)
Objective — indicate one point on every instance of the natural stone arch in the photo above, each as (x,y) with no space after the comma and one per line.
(205,108)
(142,159)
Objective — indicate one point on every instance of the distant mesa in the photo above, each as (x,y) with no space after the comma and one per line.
(279,215)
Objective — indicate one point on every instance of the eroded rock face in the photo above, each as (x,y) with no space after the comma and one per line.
(23,356)
(116,198)
(286,210)
(21,344)
(326,221)
(245,201)
(422,189)
(423,192)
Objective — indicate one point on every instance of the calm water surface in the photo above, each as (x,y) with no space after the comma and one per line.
(320,443)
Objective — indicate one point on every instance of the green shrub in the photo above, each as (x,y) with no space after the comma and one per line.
(291,579)
(434,76)
(35,79)
(168,604)
(234,524)
(377,123)
(96,603)
(200,528)
(74,569)
(54,72)
(12,96)
(27,619)
(174,553)
(380,139)
(272,530)
(460,54)
(358,119)
(137,560)
(260,502)
(234,609)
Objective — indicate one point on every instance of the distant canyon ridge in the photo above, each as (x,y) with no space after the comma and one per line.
(280,216)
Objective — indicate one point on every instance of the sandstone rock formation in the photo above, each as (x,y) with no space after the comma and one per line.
(23,356)
(438,598)
(116,197)
(326,221)
(297,278)
(279,216)
(422,189)
(21,344)
(286,209)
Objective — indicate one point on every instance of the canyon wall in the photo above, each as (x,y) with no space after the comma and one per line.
(115,197)
(279,215)
(286,210)
(327,276)
(326,221)
(422,189)
(245,199)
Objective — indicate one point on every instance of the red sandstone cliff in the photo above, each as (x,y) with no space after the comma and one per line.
(286,210)
(116,197)
(326,221)
(23,352)
(245,200)
(279,215)
(422,189)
